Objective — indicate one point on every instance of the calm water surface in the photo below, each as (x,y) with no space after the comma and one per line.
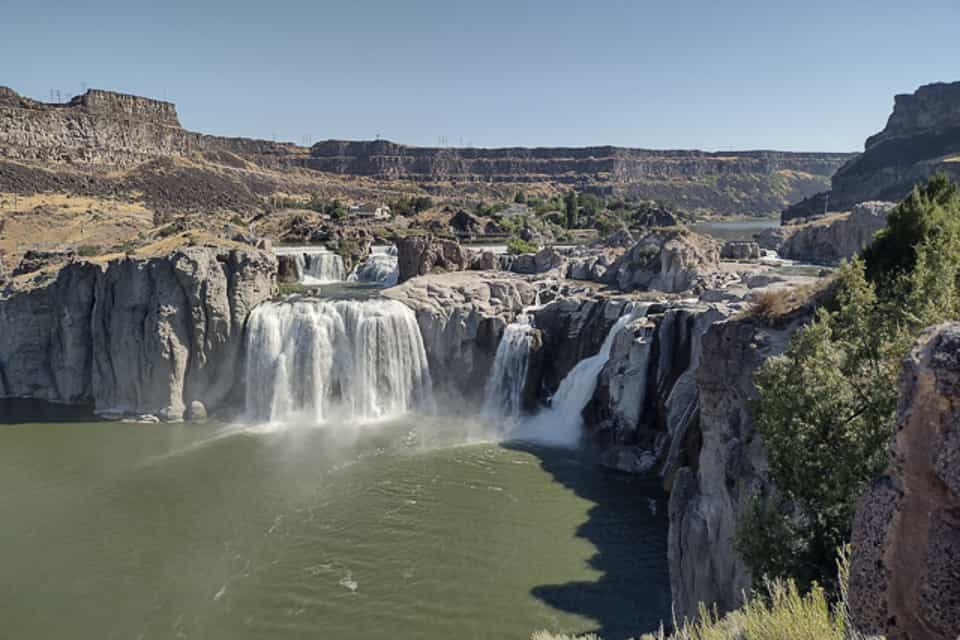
(115,530)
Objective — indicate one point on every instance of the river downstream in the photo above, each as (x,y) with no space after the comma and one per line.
(391,530)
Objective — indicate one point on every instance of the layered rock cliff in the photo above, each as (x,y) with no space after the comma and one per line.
(905,569)
(104,129)
(922,136)
(133,335)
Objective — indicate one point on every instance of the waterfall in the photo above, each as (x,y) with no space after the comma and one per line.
(380,267)
(322,267)
(561,423)
(349,360)
(503,393)
(317,265)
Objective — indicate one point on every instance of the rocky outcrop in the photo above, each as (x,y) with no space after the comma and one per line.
(921,137)
(709,497)
(671,261)
(838,238)
(647,396)
(740,250)
(420,255)
(134,335)
(547,259)
(37,259)
(905,569)
(462,317)
(465,224)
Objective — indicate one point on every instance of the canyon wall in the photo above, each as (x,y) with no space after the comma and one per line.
(746,182)
(104,129)
(922,137)
(134,335)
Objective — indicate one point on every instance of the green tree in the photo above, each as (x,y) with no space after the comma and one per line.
(570,203)
(826,407)
(519,198)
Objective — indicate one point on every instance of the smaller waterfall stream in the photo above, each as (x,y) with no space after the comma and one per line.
(357,360)
(316,265)
(561,423)
(380,267)
(503,393)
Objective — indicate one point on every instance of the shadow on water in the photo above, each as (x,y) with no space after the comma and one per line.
(627,525)
(25,410)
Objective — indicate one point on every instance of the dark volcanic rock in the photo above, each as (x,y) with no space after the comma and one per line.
(463,223)
(36,259)
(922,137)
(740,250)
(419,255)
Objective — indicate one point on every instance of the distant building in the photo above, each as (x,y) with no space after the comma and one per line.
(372,211)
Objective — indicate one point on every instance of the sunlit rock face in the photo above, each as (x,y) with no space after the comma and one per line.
(134,335)
(905,571)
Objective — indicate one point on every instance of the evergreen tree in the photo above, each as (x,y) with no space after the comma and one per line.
(570,203)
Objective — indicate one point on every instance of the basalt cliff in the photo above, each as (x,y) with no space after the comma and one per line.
(922,137)
(106,129)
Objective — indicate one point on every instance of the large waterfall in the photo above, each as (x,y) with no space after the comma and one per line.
(350,360)
(503,393)
(561,423)
(380,267)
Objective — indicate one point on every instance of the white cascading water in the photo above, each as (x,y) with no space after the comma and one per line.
(381,267)
(503,392)
(349,360)
(317,265)
(561,423)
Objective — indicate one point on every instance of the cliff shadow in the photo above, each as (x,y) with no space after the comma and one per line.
(627,526)
(26,410)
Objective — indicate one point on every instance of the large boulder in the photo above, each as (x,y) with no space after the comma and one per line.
(671,261)
(905,570)
(135,335)
(420,255)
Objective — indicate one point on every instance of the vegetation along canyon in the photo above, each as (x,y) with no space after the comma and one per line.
(540,338)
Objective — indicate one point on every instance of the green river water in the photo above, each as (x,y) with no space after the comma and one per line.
(396,530)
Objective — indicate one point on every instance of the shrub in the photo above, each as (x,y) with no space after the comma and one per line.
(826,406)
(88,250)
(517,246)
(291,288)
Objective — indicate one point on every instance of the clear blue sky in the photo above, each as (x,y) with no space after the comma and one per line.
(718,74)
